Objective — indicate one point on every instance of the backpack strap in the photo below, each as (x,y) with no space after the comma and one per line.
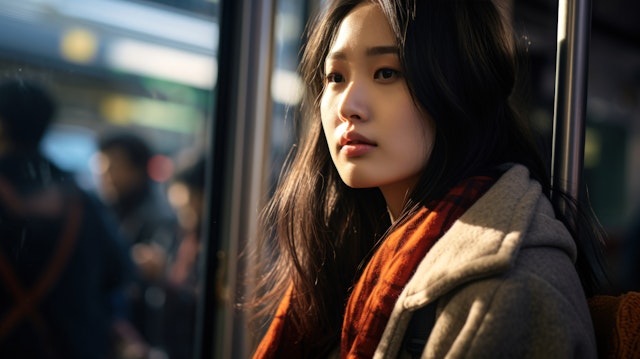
(419,329)
(27,299)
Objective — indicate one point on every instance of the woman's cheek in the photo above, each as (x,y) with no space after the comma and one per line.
(325,113)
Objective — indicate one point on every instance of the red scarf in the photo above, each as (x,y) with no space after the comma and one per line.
(374,295)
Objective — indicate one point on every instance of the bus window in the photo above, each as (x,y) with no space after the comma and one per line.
(134,83)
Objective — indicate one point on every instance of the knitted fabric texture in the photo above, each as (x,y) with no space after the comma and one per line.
(616,320)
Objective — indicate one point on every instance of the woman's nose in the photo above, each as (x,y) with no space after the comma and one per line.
(353,105)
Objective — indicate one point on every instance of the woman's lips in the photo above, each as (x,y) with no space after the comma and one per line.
(356,149)
(353,144)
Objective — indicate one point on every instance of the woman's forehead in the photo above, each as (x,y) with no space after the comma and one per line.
(364,27)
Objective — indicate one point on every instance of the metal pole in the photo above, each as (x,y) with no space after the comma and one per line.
(572,65)
(240,140)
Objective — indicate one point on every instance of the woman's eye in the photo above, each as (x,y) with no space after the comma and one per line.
(333,77)
(386,74)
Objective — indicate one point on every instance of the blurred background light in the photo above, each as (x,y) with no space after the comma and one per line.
(286,87)
(79,45)
(158,114)
(162,62)
(160,168)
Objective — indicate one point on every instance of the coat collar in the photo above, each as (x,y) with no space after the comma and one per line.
(485,240)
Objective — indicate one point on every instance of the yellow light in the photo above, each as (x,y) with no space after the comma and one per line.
(592,148)
(79,45)
(116,109)
(125,110)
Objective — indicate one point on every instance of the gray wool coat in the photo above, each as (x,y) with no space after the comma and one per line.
(503,282)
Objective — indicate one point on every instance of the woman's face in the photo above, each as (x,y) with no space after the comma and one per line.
(376,135)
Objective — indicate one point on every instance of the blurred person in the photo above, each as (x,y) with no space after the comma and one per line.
(186,194)
(61,262)
(146,220)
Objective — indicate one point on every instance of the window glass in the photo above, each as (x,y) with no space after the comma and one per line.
(134,84)
(611,167)
(286,86)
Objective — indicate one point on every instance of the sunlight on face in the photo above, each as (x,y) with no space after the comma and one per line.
(376,135)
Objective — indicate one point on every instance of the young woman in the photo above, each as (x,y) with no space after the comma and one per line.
(415,192)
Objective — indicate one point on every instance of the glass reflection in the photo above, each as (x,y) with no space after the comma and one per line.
(132,82)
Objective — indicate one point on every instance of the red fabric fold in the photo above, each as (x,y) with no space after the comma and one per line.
(279,340)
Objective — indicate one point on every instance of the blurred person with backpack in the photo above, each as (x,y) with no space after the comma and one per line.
(61,262)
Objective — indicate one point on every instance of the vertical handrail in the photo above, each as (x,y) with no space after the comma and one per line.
(572,65)
(208,315)
(235,182)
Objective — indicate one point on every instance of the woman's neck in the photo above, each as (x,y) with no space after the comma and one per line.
(396,195)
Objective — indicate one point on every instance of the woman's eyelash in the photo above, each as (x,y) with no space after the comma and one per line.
(334,77)
(386,73)
(382,74)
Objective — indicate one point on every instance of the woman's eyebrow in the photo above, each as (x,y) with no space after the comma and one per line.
(371,51)
(381,50)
